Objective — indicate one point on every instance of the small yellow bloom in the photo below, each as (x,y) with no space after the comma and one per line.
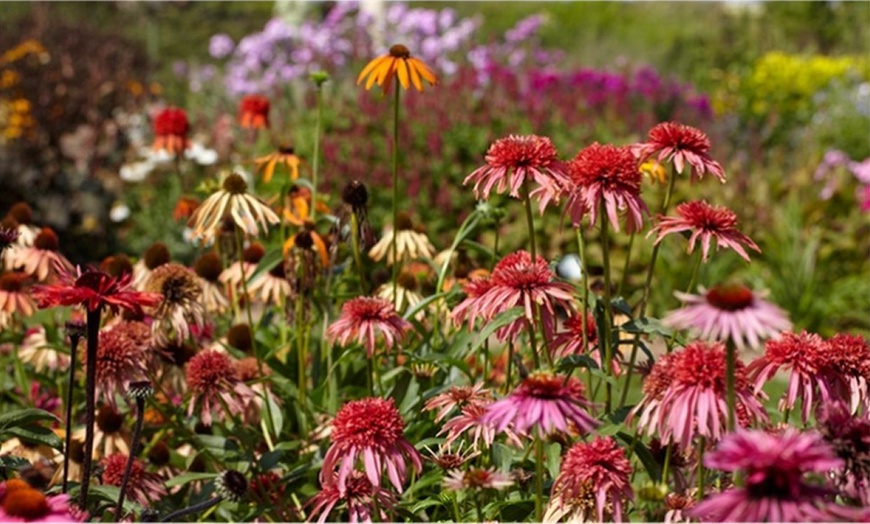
(654,171)
(397,63)
(285,155)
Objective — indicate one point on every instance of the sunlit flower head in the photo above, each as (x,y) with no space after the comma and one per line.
(95,290)
(215,386)
(849,370)
(171,130)
(411,244)
(729,312)
(397,63)
(775,487)
(36,351)
(181,307)
(606,176)
(254,112)
(477,479)
(155,256)
(544,402)
(363,319)
(684,396)
(297,208)
(143,487)
(208,269)
(271,287)
(806,357)
(21,503)
(406,295)
(14,295)
(680,144)
(43,259)
(369,431)
(122,357)
(706,223)
(447,458)
(361,500)
(594,475)
(111,435)
(512,161)
(471,424)
(284,156)
(247,211)
(458,397)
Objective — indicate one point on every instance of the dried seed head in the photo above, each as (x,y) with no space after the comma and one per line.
(231,485)
(355,194)
(235,184)
(239,337)
(209,266)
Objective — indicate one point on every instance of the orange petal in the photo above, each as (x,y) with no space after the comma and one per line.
(320,247)
(402,69)
(369,68)
(288,244)
(375,76)
(415,76)
(424,70)
(270,170)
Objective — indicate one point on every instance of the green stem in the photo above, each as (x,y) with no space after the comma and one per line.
(701,471)
(625,268)
(608,307)
(666,470)
(730,368)
(530,219)
(355,241)
(533,343)
(510,363)
(478,506)
(394,245)
(539,478)
(315,162)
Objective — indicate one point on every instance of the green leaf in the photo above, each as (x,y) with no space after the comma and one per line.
(644,454)
(569,363)
(23,417)
(554,458)
(13,462)
(646,325)
(37,435)
(185,478)
(502,319)
(411,313)
(277,416)
(268,262)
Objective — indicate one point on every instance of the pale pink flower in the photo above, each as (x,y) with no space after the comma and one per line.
(363,319)
(14,297)
(706,223)
(122,357)
(477,479)
(458,397)
(470,422)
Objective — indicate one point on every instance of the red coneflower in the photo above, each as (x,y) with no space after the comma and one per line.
(95,290)
(684,396)
(570,342)
(361,498)
(729,312)
(545,402)
(458,397)
(807,356)
(511,161)
(774,488)
(43,258)
(19,502)
(399,63)
(706,223)
(143,487)
(608,176)
(171,129)
(214,385)
(254,112)
(592,475)
(363,318)
(14,298)
(849,370)
(121,358)
(371,431)
(180,309)
(680,144)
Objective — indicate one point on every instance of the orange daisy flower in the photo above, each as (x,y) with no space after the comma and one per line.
(398,62)
(285,155)
(297,209)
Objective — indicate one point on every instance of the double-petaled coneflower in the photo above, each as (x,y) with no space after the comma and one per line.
(683,145)
(171,130)
(706,223)
(254,112)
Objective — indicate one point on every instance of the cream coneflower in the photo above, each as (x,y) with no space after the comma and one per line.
(271,287)
(36,351)
(110,435)
(406,295)
(247,211)
(209,268)
(43,259)
(76,459)
(239,271)
(180,305)
(13,294)
(155,256)
(477,479)
(410,243)
(399,63)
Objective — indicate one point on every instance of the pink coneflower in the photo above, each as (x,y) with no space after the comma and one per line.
(481,434)
(180,309)
(807,357)
(681,145)
(143,487)
(371,431)
(774,489)
(677,505)
(121,358)
(477,479)
(13,295)
(170,130)
(516,281)
(593,475)
(214,386)
(363,318)
(21,503)
(458,397)
(684,396)
(569,343)
(849,435)
(545,402)
(43,259)
(513,160)
(361,500)
(95,290)
(606,175)
(706,223)
(848,370)
(729,312)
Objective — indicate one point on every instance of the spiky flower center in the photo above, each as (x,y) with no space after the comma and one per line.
(522,152)
(254,253)
(613,167)
(701,215)
(370,422)
(235,184)
(680,137)
(702,365)
(113,470)
(304,240)
(176,283)
(21,212)
(208,370)
(109,421)
(47,240)
(355,194)
(400,51)
(547,386)
(517,271)
(730,297)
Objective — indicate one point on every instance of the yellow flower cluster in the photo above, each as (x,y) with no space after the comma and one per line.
(15,118)
(15,110)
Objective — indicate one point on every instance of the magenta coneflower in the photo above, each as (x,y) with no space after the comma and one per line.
(606,175)
(706,223)
(681,145)
(14,297)
(369,431)
(593,475)
(477,479)
(361,499)
(143,487)
(19,502)
(849,370)
(458,397)
(684,396)
(214,386)
(806,356)
(516,281)
(513,160)
(363,318)
(849,435)
(43,259)
(729,312)
(121,358)
(545,402)
(481,434)
(774,489)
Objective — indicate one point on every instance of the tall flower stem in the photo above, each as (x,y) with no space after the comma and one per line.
(393,245)
(196,508)
(357,258)
(134,450)
(730,398)
(315,162)
(625,268)
(73,350)
(644,301)
(530,220)
(608,308)
(701,471)
(581,249)
(539,478)
(93,319)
